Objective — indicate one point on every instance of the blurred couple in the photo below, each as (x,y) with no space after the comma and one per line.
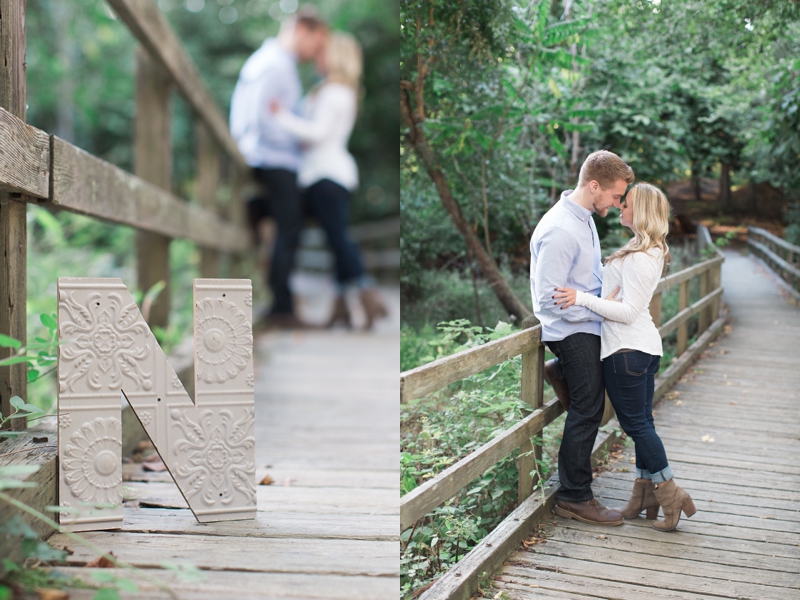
(298,152)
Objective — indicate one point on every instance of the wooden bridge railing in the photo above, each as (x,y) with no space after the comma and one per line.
(42,169)
(464,577)
(779,255)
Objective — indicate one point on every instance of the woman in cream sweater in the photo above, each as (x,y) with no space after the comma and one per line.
(631,349)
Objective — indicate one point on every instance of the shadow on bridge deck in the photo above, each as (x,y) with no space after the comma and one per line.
(732,434)
(327,433)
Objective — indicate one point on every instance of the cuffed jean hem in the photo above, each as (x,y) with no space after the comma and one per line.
(662,476)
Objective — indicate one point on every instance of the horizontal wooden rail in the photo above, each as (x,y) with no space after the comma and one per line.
(421,500)
(440,373)
(777,260)
(86,184)
(774,239)
(688,313)
(51,172)
(146,22)
(687,274)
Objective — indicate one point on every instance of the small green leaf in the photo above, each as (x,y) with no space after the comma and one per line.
(103,576)
(17,402)
(127,585)
(7,341)
(10,484)
(48,321)
(5,593)
(106,594)
(33,375)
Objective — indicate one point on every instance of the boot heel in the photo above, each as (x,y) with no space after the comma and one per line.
(652,513)
(688,507)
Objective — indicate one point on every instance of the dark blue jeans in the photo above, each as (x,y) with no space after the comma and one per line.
(327,201)
(579,363)
(630,381)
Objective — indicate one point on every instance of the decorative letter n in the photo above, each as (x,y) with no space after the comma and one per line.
(208,445)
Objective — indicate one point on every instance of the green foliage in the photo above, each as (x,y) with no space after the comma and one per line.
(438,430)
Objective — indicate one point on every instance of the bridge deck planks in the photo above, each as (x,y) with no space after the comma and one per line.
(744,541)
(327,527)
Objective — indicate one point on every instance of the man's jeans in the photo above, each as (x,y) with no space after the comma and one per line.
(579,363)
(630,380)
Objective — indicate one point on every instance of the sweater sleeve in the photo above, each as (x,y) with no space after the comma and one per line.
(639,274)
(331,103)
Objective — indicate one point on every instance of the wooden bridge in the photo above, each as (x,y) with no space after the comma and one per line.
(730,426)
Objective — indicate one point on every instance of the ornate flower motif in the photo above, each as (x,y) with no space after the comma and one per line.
(213,455)
(91,462)
(224,340)
(176,383)
(108,342)
(248,300)
(64,420)
(145,418)
(251,380)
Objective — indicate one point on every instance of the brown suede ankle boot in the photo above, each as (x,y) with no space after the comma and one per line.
(673,500)
(340,313)
(643,497)
(374,308)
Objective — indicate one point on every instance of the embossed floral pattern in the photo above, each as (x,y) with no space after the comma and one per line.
(105,342)
(92,461)
(64,420)
(214,455)
(224,340)
(248,300)
(251,380)
(146,418)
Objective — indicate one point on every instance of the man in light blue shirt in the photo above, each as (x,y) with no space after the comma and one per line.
(270,75)
(565,252)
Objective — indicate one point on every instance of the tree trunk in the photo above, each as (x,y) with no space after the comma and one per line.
(695,183)
(485,262)
(725,197)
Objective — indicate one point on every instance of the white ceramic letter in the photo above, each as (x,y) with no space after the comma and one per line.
(208,445)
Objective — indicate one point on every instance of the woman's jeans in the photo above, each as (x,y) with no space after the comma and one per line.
(579,363)
(630,381)
(327,202)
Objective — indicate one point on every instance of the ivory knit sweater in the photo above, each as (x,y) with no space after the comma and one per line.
(628,323)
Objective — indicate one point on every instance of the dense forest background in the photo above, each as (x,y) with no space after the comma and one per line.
(503,101)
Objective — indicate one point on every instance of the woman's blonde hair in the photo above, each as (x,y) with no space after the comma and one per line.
(650,222)
(345,60)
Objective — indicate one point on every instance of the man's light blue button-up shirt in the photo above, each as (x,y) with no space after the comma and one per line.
(565,252)
(270,74)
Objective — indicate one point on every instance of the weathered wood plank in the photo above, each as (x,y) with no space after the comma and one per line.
(233,583)
(686,313)
(153,163)
(24,157)
(264,555)
(85,184)
(686,274)
(421,500)
(151,28)
(440,373)
(763,233)
(13,222)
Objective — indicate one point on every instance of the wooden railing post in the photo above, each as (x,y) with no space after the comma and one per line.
(716,282)
(208,176)
(532,393)
(153,163)
(13,226)
(655,309)
(704,320)
(683,328)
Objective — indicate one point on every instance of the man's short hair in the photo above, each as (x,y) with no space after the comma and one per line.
(308,17)
(606,168)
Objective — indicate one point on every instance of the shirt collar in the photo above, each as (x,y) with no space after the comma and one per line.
(575,208)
